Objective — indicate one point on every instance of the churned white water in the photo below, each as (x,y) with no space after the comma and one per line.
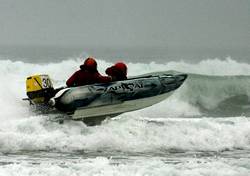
(202,129)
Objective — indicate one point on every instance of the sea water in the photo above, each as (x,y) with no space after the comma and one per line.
(202,129)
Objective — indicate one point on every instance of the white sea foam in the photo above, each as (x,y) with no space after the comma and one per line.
(128,134)
(102,166)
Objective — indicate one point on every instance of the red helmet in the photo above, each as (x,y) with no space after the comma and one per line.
(121,66)
(90,63)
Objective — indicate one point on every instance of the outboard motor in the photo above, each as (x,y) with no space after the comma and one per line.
(39,89)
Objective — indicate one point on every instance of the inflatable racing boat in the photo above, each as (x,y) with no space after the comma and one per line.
(93,103)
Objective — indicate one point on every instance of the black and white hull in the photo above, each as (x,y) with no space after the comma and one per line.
(101,100)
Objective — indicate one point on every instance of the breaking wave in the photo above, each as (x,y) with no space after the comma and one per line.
(214,88)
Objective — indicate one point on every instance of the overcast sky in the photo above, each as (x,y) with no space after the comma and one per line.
(123,23)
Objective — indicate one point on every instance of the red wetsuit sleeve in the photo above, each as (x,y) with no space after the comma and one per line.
(72,80)
(103,79)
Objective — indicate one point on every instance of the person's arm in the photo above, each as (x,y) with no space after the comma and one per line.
(72,80)
(104,79)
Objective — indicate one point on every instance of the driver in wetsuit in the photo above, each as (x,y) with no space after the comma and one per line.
(87,74)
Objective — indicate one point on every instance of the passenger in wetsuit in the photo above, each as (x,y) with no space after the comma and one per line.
(118,71)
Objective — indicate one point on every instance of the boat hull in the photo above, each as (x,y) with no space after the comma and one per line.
(99,101)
